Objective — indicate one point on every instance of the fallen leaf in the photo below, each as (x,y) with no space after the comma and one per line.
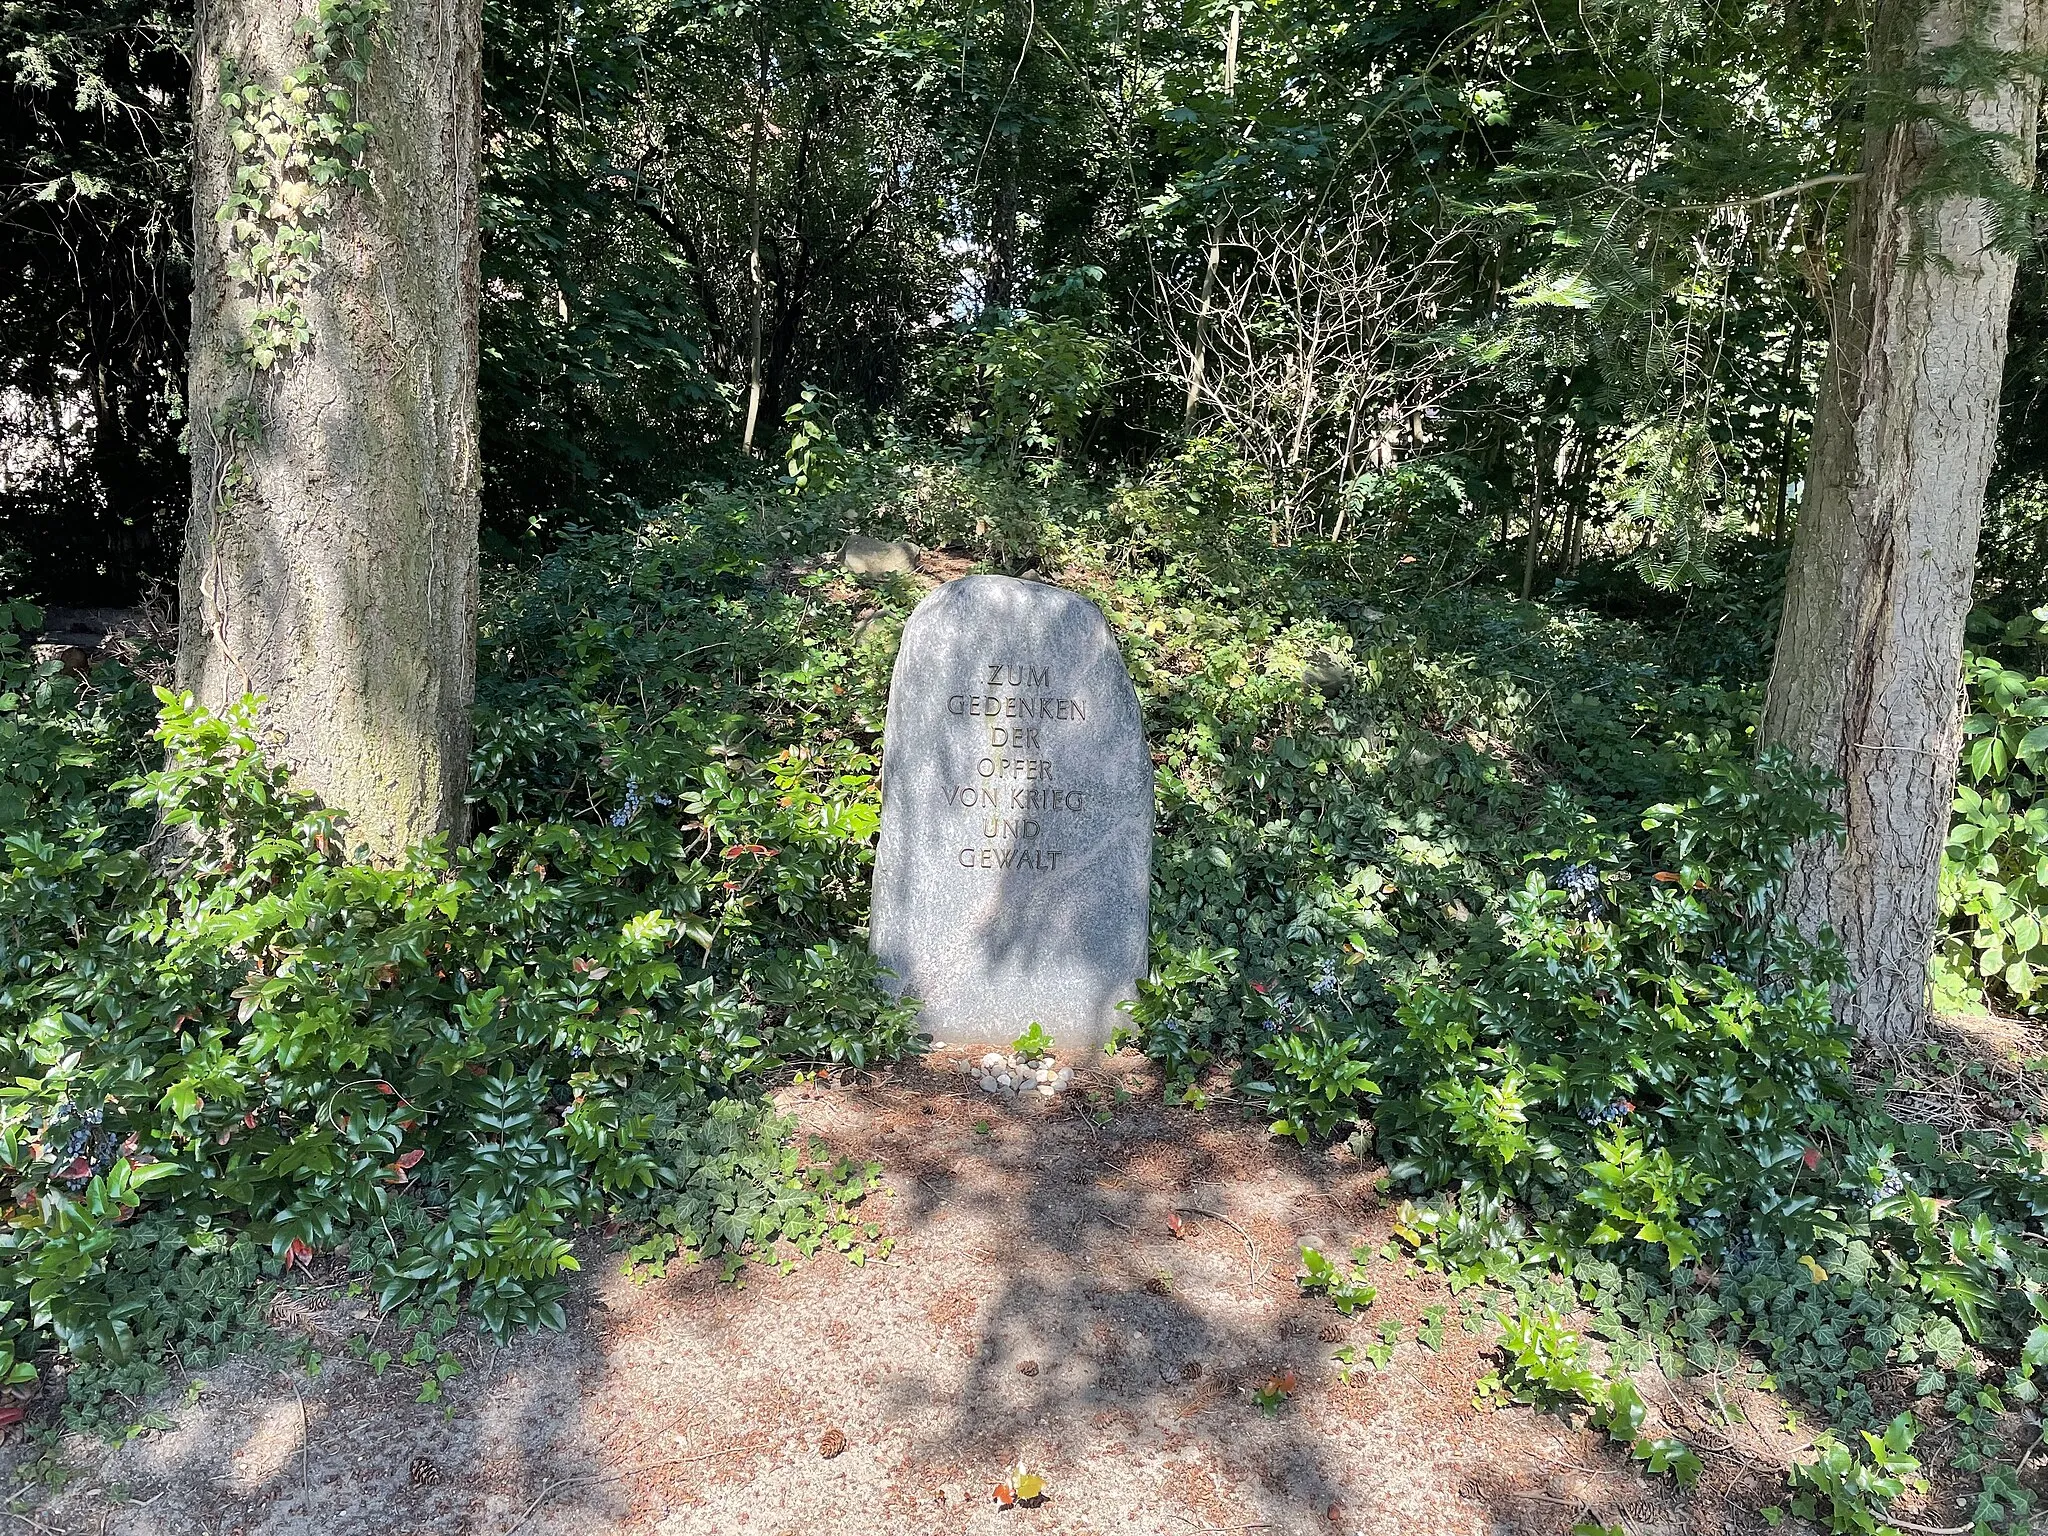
(1810,1157)
(1004,1497)
(1175,1225)
(1030,1486)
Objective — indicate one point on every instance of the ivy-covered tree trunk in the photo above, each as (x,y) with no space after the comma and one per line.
(330,562)
(1867,679)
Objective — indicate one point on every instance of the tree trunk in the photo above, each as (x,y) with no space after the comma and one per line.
(755,282)
(331,559)
(1867,677)
(1533,545)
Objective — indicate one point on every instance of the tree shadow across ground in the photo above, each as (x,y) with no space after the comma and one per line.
(1038,1305)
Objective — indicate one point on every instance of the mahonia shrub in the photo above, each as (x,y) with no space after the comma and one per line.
(1643,1051)
(1652,1052)
(1994,876)
(218,1020)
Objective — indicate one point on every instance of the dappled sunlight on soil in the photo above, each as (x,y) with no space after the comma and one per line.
(1039,1305)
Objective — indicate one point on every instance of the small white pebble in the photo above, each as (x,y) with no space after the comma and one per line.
(1004,1080)
(991,1061)
(1047,1089)
(1066,1076)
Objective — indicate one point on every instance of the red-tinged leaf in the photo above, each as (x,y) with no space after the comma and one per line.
(410,1159)
(79,1169)
(1175,1225)
(1005,1496)
(386,1088)
(1285,1383)
(249,1122)
(1810,1157)
(1666,876)
(298,1253)
(12,1414)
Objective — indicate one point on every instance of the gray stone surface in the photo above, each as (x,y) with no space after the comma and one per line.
(875,557)
(1013,877)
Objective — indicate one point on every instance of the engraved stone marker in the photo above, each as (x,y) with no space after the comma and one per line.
(1013,877)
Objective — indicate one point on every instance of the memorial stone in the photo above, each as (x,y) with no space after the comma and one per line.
(1013,876)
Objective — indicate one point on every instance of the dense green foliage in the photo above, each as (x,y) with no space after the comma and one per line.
(1505,299)
(1995,877)
(1603,319)
(217,1019)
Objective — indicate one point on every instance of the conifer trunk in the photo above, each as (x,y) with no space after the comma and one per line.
(1866,681)
(330,562)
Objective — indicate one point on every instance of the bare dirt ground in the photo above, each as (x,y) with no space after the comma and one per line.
(1037,1305)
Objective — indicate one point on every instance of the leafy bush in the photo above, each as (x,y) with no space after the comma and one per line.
(1994,878)
(217,1020)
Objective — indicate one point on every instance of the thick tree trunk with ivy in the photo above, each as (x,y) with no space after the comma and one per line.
(1867,676)
(331,559)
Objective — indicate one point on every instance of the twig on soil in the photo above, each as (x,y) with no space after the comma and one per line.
(2038,1443)
(1251,1249)
(1930,1530)
(604,1477)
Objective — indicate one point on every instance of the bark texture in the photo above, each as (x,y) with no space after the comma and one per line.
(1867,679)
(339,578)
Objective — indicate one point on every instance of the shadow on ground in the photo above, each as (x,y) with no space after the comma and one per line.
(1039,1306)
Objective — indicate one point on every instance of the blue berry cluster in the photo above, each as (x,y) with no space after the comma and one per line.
(1581,882)
(1326,982)
(1892,1183)
(73,1135)
(1608,1113)
(631,808)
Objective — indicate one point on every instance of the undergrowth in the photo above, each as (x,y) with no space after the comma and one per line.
(1487,883)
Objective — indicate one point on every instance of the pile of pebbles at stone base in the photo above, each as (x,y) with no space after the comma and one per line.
(997,1072)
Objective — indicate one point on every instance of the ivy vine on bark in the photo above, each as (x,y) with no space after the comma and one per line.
(295,144)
